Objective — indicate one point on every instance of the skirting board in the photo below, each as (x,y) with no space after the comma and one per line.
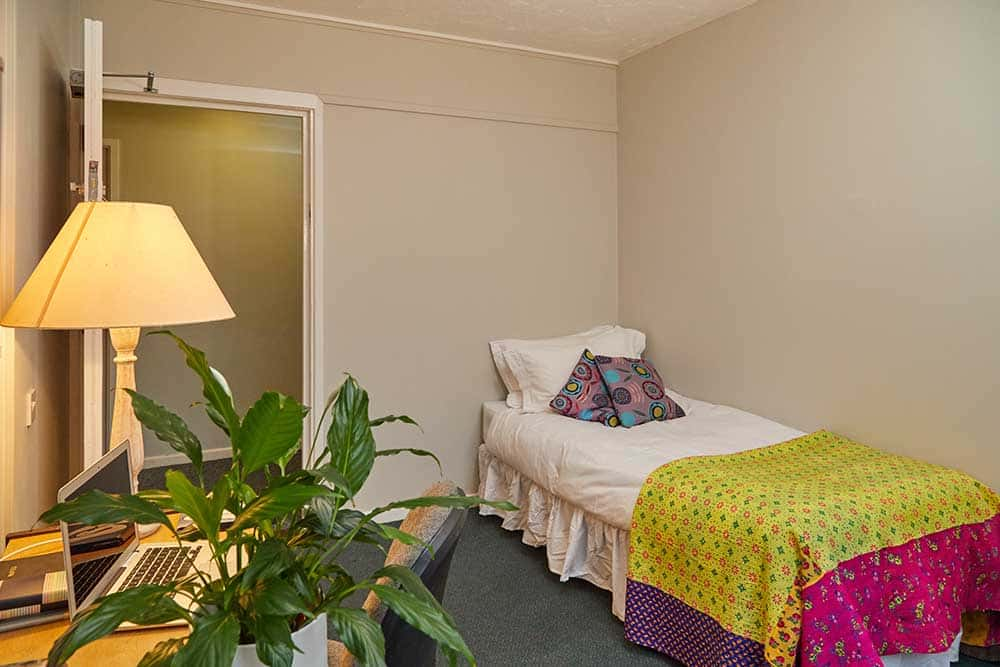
(161,460)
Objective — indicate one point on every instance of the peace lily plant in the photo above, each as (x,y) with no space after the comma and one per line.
(287,535)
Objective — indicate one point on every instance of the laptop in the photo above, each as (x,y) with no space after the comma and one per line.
(104,559)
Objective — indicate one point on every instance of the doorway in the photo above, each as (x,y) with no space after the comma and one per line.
(236,181)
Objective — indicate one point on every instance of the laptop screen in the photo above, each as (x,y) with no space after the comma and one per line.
(95,550)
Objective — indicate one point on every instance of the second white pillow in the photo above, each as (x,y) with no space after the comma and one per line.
(541,370)
(498,347)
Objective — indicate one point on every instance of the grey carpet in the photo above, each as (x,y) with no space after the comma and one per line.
(510,609)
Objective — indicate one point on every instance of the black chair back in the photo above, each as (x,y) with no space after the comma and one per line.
(404,645)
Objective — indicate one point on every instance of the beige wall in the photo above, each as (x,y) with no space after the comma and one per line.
(39,66)
(235,180)
(454,232)
(809,218)
(442,232)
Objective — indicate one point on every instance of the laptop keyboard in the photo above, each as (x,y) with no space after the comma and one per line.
(161,565)
(88,573)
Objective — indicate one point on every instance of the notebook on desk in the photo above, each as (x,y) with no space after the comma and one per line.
(94,560)
(33,586)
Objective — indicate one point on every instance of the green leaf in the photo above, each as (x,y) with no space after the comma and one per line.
(270,558)
(221,408)
(158,497)
(216,418)
(271,429)
(144,605)
(277,502)
(393,533)
(411,450)
(410,582)
(212,642)
(360,634)
(322,510)
(336,478)
(277,597)
(393,418)
(274,641)
(241,494)
(346,521)
(447,501)
(349,438)
(162,655)
(96,507)
(191,500)
(428,618)
(168,427)
(220,498)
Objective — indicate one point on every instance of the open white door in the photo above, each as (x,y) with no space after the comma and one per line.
(7,408)
(93,154)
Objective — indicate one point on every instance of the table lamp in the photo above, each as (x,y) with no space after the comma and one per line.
(120,266)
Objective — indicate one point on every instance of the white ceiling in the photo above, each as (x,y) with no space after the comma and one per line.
(604,29)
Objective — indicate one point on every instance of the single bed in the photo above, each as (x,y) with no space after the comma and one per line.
(576,483)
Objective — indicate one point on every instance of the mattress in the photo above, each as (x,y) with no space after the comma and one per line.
(601,469)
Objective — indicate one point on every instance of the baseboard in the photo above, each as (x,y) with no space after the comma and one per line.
(397,514)
(176,458)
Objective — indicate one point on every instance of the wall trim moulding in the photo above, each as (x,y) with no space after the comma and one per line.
(456,112)
(241,6)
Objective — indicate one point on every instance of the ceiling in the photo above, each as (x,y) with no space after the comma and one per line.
(600,29)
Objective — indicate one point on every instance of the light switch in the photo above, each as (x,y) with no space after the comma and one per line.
(31,406)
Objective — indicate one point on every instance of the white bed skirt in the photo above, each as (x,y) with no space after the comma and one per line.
(579,545)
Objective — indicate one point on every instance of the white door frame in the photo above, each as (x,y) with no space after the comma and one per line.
(7,273)
(309,107)
(92,382)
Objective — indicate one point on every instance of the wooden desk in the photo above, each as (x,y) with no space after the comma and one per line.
(117,649)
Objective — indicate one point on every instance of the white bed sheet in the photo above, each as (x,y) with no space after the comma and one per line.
(601,469)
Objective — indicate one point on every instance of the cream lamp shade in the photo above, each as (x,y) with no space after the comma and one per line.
(119,264)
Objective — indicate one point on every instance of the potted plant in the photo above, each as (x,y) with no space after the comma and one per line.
(288,533)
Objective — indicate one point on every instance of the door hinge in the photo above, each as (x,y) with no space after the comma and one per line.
(76,82)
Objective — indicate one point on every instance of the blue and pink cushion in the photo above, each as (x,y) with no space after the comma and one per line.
(636,391)
(584,395)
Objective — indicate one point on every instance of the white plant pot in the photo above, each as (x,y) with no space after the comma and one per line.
(311,641)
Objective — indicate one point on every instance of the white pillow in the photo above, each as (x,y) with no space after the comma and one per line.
(541,370)
(498,347)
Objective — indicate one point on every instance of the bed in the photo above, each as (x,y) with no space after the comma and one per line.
(576,483)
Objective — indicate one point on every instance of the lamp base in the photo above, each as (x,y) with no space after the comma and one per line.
(124,424)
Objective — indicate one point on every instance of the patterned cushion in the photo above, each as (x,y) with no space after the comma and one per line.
(636,391)
(584,395)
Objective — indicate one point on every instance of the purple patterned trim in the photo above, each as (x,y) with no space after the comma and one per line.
(659,621)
